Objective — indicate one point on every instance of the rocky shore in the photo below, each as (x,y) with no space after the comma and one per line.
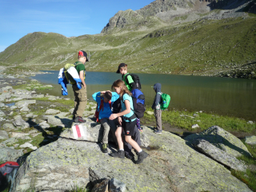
(36,131)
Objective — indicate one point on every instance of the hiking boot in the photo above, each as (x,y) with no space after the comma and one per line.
(128,156)
(104,147)
(119,154)
(79,119)
(141,156)
(158,132)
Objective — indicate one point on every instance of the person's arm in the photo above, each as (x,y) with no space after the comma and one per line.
(126,111)
(131,82)
(95,95)
(81,76)
(157,101)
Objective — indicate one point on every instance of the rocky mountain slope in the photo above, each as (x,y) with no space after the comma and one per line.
(215,38)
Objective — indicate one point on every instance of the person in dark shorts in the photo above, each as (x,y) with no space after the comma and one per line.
(127,119)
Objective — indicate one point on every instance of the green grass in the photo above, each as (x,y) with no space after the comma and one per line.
(185,119)
(200,47)
(249,176)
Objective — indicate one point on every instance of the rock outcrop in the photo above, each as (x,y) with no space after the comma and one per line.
(63,162)
(171,166)
(160,11)
(221,146)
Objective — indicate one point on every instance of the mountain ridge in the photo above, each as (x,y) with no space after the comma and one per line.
(166,36)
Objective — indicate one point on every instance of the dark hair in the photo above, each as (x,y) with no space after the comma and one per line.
(120,83)
(107,95)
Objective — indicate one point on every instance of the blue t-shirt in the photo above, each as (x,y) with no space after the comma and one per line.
(129,98)
(105,112)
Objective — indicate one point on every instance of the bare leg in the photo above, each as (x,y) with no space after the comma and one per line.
(118,134)
(133,143)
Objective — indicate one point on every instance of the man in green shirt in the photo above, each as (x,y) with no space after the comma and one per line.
(80,94)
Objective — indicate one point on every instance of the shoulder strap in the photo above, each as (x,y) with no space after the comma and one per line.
(101,104)
(125,75)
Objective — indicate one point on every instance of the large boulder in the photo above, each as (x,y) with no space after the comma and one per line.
(93,132)
(220,139)
(219,155)
(171,166)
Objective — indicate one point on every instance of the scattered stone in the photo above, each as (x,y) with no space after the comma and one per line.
(195,115)
(250,122)
(250,140)
(25,103)
(19,122)
(6,89)
(52,112)
(2,114)
(44,125)
(116,185)
(24,109)
(195,126)
(62,114)
(8,126)
(4,134)
(30,115)
(150,112)
(28,145)
(52,120)
(9,154)
(18,134)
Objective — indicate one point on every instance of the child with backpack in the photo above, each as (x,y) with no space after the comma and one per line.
(116,108)
(104,101)
(157,109)
(127,119)
(132,83)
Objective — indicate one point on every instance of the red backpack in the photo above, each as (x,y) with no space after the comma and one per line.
(8,167)
(97,112)
(8,172)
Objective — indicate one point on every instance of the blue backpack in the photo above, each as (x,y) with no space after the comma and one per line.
(138,103)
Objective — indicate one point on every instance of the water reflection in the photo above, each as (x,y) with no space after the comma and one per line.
(225,96)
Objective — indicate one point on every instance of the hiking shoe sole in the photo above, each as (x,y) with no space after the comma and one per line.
(119,154)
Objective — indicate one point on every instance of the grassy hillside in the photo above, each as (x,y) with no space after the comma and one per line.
(204,47)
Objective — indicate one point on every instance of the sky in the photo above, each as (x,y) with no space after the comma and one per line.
(66,17)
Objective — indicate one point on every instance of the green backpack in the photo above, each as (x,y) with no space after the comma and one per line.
(165,101)
(67,75)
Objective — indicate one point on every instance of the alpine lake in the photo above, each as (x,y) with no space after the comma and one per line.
(222,96)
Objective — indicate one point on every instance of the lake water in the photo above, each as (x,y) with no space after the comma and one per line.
(224,96)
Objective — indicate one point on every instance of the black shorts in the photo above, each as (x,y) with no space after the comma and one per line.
(128,127)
